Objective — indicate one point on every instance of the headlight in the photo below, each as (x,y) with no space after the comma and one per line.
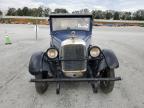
(94,51)
(52,53)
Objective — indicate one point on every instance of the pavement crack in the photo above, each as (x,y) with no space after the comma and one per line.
(8,81)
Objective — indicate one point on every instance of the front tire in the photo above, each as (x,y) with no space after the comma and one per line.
(41,87)
(107,86)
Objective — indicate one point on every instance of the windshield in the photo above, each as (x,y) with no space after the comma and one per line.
(71,24)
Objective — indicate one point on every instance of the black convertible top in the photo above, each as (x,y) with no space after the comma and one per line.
(69,15)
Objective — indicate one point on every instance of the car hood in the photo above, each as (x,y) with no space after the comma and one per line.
(62,35)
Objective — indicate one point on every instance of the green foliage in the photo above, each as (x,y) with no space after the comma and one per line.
(46,12)
(126,16)
(109,15)
(26,11)
(60,10)
(40,12)
(139,15)
(116,16)
(19,12)
(1,13)
(97,14)
(11,12)
(82,11)
(141,25)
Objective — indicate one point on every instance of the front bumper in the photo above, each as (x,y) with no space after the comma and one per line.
(75,79)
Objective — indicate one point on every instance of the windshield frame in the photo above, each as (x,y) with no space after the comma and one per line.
(70,16)
(71,24)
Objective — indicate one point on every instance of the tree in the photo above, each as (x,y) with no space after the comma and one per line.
(34,12)
(82,11)
(116,16)
(11,12)
(126,16)
(40,12)
(46,12)
(60,10)
(75,12)
(19,12)
(108,15)
(98,14)
(25,11)
(85,11)
(138,15)
(1,13)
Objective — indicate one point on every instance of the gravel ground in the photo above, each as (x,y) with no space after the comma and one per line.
(17,92)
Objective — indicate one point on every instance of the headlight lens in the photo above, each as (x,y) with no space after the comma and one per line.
(52,53)
(94,52)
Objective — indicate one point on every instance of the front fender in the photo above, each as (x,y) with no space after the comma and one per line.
(110,60)
(37,64)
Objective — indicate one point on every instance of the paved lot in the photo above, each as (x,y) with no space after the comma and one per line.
(17,92)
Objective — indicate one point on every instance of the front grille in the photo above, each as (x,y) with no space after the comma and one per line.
(73,52)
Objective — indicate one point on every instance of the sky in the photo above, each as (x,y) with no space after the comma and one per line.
(72,5)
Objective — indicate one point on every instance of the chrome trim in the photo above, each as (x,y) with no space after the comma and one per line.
(75,71)
(74,74)
(73,40)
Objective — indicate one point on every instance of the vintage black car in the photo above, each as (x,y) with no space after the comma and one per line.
(72,58)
